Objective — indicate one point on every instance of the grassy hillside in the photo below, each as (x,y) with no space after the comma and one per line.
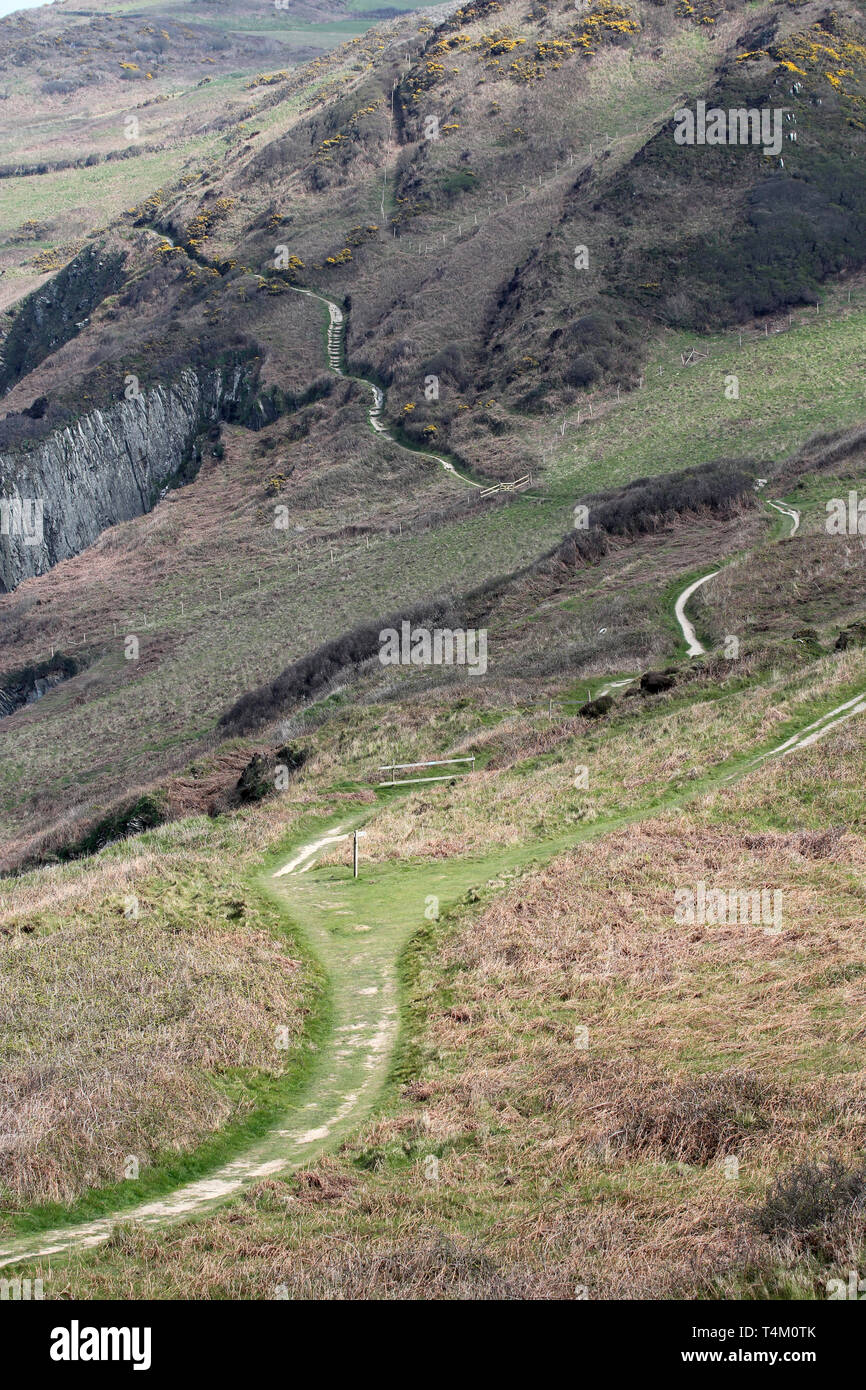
(565,1039)
(100,107)
(507,1068)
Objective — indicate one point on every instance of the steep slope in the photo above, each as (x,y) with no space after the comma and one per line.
(435,180)
(662,1099)
(260,407)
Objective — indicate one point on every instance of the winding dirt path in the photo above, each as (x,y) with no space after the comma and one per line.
(790,512)
(335,352)
(347,1075)
(360,957)
(693,646)
(614,685)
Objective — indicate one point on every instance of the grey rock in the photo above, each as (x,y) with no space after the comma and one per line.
(110,466)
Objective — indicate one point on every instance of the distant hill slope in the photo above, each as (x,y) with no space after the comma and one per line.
(85,89)
(525,258)
(514,178)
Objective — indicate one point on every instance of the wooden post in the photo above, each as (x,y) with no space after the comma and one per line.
(355,855)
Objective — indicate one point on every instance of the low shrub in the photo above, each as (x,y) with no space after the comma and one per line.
(812,1195)
(130,818)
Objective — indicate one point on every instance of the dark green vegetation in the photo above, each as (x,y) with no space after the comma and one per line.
(143,813)
(800,216)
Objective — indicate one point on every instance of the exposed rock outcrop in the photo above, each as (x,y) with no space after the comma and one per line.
(27,684)
(54,313)
(110,466)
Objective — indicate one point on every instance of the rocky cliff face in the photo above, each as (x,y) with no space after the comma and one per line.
(28,684)
(53,314)
(110,466)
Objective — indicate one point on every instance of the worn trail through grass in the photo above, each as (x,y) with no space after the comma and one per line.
(336,357)
(358,929)
(694,646)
